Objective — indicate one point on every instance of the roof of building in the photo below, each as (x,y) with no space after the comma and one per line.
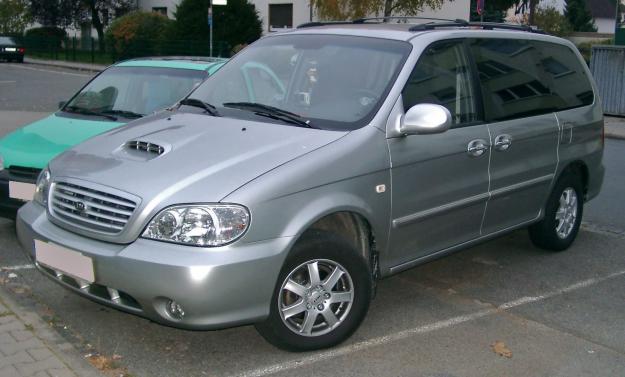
(602,8)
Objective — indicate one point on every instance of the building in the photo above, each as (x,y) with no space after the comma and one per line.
(603,12)
(281,14)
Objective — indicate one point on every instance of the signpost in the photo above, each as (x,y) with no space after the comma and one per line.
(210,20)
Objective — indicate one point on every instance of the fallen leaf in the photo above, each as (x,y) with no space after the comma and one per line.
(100,362)
(500,349)
(116,357)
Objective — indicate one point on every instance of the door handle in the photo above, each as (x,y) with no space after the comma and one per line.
(477,147)
(503,142)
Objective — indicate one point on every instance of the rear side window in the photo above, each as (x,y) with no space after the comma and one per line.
(442,76)
(522,78)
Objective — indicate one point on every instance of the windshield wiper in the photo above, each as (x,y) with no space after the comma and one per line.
(271,112)
(83,111)
(212,110)
(124,113)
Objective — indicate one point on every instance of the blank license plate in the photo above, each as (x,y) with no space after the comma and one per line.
(21,191)
(64,260)
(11,49)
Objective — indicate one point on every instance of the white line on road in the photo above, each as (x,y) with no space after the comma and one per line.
(341,351)
(7,82)
(52,71)
(18,267)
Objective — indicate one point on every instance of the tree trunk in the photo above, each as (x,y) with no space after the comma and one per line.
(97,24)
(388,8)
(533,4)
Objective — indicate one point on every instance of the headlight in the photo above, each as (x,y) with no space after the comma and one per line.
(199,224)
(42,187)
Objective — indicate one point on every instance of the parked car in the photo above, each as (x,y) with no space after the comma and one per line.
(11,50)
(385,146)
(121,93)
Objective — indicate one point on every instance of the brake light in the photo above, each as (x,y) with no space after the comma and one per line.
(21,50)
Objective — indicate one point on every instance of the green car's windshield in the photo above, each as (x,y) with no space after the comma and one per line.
(330,81)
(131,92)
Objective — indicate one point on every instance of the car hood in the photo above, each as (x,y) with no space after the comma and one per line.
(203,158)
(36,144)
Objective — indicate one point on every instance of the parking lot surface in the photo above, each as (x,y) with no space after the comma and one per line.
(503,308)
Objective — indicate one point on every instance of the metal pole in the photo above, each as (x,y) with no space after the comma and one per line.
(210,25)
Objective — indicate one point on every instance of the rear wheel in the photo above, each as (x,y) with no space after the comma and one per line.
(322,295)
(563,215)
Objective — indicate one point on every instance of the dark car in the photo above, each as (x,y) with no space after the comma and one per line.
(10,50)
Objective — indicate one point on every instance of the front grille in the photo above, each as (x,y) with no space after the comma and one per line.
(24,172)
(144,146)
(89,208)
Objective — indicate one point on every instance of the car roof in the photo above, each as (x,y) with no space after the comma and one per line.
(179,62)
(409,28)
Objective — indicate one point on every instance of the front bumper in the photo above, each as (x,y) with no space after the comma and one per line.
(217,287)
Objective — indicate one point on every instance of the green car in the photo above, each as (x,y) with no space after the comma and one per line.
(123,92)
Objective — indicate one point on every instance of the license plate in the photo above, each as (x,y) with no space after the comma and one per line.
(10,49)
(64,260)
(21,190)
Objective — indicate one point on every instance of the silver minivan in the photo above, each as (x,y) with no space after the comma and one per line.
(316,162)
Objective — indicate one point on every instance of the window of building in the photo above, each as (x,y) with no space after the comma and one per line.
(280,16)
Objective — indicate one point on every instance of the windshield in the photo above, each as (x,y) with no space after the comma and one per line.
(135,90)
(335,82)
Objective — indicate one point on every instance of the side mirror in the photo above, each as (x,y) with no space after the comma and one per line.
(61,104)
(425,118)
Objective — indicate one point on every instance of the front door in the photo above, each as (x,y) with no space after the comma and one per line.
(439,187)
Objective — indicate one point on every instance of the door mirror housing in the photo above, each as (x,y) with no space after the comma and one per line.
(425,118)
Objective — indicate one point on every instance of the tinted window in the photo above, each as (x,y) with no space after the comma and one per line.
(523,78)
(7,41)
(442,76)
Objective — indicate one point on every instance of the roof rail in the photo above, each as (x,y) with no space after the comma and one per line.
(398,18)
(323,23)
(483,25)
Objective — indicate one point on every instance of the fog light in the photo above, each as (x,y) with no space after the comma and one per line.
(174,309)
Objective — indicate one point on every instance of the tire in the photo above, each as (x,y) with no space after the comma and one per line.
(20,60)
(559,228)
(314,305)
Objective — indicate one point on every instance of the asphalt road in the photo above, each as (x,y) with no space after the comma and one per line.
(559,314)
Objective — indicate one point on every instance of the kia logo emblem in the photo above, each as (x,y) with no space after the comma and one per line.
(80,206)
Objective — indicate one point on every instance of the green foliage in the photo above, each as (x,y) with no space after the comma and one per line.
(48,36)
(137,34)
(552,21)
(236,23)
(59,13)
(352,9)
(579,16)
(494,11)
(14,16)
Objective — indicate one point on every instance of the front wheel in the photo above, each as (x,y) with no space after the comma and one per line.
(563,215)
(322,295)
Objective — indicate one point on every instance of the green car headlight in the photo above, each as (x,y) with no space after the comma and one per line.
(42,188)
(199,224)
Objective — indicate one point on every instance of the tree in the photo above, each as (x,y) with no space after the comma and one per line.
(353,9)
(579,16)
(59,13)
(494,10)
(235,23)
(100,12)
(137,34)
(552,21)
(14,16)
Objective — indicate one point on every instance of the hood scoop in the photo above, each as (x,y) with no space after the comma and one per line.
(145,146)
(141,150)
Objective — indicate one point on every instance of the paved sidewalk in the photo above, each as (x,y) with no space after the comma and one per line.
(615,127)
(28,347)
(66,64)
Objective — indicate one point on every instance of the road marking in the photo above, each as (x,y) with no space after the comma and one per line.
(400,335)
(18,267)
(52,71)
(7,82)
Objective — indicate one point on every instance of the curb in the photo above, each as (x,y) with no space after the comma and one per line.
(85,67)
(63,350)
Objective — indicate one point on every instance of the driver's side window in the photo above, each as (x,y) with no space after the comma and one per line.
(442,76)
